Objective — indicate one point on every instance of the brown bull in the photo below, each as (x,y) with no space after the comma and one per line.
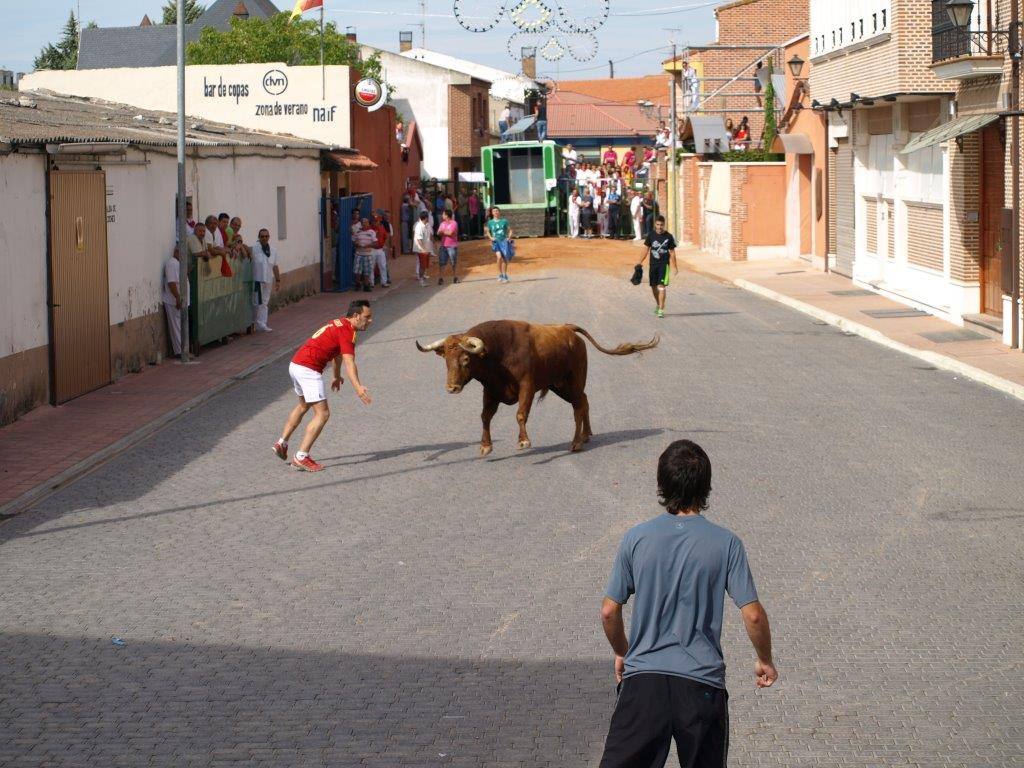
(514,360)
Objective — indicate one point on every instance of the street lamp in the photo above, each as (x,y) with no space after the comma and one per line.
(960,12)
(796,66)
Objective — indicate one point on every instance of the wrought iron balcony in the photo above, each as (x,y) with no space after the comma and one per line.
(964,53)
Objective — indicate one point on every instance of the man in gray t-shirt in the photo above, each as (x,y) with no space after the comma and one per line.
(671,671)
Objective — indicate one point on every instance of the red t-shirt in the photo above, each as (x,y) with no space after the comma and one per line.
(382,235)
(338,337)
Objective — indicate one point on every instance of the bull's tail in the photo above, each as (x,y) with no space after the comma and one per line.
(622,349)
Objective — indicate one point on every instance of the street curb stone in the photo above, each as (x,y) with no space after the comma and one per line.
(933,358)
(54,484)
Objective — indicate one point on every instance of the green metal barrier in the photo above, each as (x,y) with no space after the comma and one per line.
(220,306)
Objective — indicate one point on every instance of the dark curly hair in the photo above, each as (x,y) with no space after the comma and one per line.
(684,477)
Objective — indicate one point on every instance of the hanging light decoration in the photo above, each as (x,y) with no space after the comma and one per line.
(590,19)
(477,23)
(582,46)
(531,16)
(552,50)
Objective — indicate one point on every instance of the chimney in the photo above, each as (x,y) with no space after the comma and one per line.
(404,42)
(145,21)
(350,34)
(530,62)
(241,12)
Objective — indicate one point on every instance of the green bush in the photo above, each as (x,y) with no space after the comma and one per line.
(751,156)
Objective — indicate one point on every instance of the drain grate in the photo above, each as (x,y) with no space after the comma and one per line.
(854,292)
(885,314)
(945,337)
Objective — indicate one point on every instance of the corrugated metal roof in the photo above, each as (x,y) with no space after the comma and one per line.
(46,118)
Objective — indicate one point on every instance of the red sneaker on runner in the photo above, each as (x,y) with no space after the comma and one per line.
(307,464)
(281,449)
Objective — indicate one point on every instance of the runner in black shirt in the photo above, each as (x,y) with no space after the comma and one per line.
(661,247)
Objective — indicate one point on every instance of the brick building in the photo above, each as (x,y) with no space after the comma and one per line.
(908,217)
(749,32)
(978,139)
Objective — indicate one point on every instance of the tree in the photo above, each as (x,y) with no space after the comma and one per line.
(258,41)
(63,54)
(193,10)
(771,127)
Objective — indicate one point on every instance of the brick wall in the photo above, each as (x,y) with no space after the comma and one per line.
(468,108)
(964,236)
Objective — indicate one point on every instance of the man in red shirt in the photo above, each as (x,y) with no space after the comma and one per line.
(336,343)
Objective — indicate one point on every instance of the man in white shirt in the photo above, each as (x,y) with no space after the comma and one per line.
(569,155)
(365,242)
(503,122)
(215,238)
(574,213)
(636,212)
(691,86)
(266,276)
(423,246)
(173,297)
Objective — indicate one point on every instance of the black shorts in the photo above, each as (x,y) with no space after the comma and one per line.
(653,709)
(659,272)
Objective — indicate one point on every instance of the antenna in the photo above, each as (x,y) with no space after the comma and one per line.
(423,23)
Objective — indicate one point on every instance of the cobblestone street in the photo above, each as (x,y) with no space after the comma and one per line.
(416,605)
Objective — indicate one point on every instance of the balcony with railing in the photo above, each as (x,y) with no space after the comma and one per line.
(966,53)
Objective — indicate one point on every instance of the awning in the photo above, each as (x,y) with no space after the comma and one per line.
(950,130)
(347,161)
(472,177)
(797,143)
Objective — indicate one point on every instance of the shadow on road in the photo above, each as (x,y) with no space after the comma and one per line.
(177,703)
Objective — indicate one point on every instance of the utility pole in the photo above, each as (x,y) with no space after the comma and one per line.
(673,168)
(423,23)
(183,254)
(611,69)
(1015,48)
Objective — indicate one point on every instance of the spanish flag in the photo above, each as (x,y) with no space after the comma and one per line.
(301,6)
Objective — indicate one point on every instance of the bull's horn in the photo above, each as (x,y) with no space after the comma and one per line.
(431,347)
(473,345)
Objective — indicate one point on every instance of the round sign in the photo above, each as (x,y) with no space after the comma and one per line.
(275,82)
(368,92)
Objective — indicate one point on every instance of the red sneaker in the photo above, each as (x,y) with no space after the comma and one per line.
(307,464)
(281,449)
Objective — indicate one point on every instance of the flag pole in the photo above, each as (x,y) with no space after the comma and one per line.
(323,72)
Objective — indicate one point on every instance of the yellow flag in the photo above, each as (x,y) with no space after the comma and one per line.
(301,6)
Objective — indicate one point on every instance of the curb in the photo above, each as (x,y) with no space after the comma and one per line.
(82,468)
(940,361)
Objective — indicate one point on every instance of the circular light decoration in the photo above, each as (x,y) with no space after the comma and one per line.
(475,23)
(552,50)
(515,44)
(531,16)
(582,16)
(582,46)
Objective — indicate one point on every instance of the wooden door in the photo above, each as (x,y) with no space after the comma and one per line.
(992,191)
(80,308)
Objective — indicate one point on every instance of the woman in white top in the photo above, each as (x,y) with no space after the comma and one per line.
(574,213)
(601,206)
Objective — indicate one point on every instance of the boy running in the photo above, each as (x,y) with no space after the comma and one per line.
(500,234)
(335,342)
(661,247)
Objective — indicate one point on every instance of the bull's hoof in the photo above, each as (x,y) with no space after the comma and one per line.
(576,447)
(486,449)
(586,437)
(525,444)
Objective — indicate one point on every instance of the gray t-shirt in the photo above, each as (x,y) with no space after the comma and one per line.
(679,568)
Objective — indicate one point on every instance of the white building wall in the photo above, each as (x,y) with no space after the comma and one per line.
(23,323)
(421,94)
(273,98)
(141,219)
(836,26)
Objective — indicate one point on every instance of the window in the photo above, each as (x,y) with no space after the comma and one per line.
(849,22)
(282,214)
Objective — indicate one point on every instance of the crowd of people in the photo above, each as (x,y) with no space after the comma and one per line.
(218,242)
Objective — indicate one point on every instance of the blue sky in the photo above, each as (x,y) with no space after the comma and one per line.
(28,26)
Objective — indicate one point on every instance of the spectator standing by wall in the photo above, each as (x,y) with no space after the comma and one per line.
(613,202)
(671,671)
(449,251)
(650,210)
(174,296)
(380,251)
(503,122)
(573,209)
(636,212)
(266,277)
(587,214)
(365,242)
(462,216)
(474,213)
(423,246)
(405,219)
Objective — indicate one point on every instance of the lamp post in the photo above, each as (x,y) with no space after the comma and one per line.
(960,13)
(183,254)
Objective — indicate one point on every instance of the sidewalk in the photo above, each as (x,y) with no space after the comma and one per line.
(837,301)
(50,446)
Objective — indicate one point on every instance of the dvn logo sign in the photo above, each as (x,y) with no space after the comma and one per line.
(275,82)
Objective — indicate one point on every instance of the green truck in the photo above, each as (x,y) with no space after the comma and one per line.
(522,180)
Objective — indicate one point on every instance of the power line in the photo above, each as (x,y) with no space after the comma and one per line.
(618,61)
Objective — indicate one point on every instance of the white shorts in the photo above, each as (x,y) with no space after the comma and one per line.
(309,385)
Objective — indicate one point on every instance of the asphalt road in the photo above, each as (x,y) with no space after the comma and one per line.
(415,605)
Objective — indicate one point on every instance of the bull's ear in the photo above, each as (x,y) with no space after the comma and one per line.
(439,351)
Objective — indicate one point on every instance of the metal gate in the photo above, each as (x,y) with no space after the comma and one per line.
(79,304)
(845,240)
(344,252)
